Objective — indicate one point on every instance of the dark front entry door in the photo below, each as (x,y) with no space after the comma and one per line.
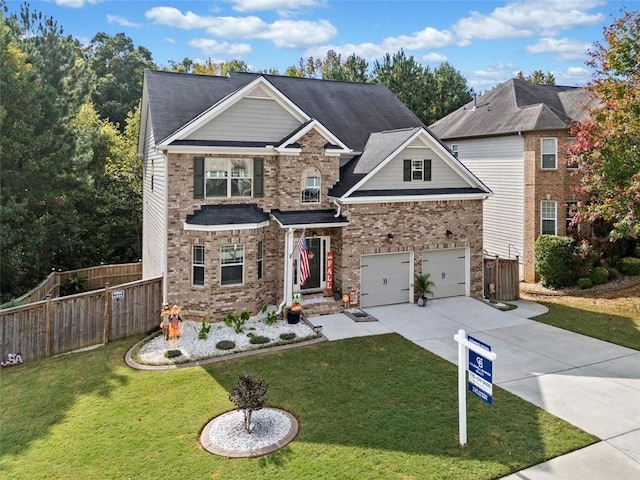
(313,244)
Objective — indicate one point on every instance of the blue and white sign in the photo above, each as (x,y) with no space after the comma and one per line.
(480,372)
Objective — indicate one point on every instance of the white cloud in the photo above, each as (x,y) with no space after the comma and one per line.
(170,40)
(528,17)
(121,21)
(562,48)
(76,3)
(283,33)
(209,46)
(257,5)
(434,58)
(425,39)
(573,76)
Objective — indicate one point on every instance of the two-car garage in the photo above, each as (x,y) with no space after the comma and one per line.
(386,279)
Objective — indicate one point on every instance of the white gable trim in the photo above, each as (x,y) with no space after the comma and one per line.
(231,100)
(224,228)
(443,153)
(322,130)
(415,198)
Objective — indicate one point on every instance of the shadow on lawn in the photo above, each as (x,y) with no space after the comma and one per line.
(385,393)
(54,386)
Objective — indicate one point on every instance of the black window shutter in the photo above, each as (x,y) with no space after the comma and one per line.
(427,170)
(198,177)
(407,170)
(258,177)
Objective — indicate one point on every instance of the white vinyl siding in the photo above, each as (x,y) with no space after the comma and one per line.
(499,164)
(154,225)
(549,153)
(390,177)
(249,120)
(548,217)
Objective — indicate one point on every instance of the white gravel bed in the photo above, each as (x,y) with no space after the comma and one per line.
(226,435)
(193,348)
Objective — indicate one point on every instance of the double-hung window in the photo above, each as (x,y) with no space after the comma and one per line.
(197,261)
(228,177)
(231,264)
(311,183)
(417,170)
(549,149)
(548,217)
(260,265)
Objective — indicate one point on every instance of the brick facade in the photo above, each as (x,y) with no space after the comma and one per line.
(545,184)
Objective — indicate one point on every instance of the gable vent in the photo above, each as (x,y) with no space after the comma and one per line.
(260,93)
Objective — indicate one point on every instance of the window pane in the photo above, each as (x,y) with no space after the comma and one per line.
(216,188)
(240,187)
(548,227)
(198,275)
(198,254)
(549,152)
(198,265)
(241,168)
(548,161)
(311,192)
(548,217)
(232,254)
(232,275)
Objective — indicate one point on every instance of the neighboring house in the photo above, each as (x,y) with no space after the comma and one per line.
(515,138)
(236,168)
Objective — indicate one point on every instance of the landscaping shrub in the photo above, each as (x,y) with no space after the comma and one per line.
(613,273)
(259,340)
(584,283)
(629,266)
(287,336)
(226,345)
(172,353)
(555,260)
(599,275)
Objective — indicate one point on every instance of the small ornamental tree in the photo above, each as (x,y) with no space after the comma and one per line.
(249,395)
(555,261)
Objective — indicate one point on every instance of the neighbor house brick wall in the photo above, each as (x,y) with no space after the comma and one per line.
(416,226)
(542,184)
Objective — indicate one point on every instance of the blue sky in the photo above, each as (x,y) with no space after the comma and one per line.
(487,41)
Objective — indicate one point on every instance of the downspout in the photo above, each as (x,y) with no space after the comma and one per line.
(339,206)
(287,289)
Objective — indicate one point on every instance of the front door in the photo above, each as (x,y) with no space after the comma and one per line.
(318,248)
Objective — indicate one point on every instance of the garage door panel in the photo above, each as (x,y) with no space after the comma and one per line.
(447,268)
(384,279)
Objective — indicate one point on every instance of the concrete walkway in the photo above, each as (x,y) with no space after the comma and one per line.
(592,384)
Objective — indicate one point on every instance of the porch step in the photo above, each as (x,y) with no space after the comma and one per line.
(314,305)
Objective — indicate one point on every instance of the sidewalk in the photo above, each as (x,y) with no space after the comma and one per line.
(592,384)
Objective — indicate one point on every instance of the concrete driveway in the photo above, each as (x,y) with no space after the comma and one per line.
(592,384)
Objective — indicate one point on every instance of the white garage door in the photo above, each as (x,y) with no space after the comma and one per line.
(385,279)
(448,269)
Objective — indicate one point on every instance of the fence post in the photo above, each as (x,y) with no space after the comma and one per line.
(107,318)
(47,326)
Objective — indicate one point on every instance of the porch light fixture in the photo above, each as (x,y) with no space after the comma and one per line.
(389,237)
(314,234)
(449,233)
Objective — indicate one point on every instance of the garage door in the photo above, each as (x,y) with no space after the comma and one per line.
(448,271)
(385,279)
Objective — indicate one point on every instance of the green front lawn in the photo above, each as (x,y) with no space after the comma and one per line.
(374,407)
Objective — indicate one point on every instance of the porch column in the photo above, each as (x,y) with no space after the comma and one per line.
(288,267)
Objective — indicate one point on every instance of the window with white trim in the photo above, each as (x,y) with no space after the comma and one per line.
(197,261)
(311,183)
(228,177)
(455,148)
(260,260)
(417,170)
(549,152)
(548,217)
(231,264)
(572,160)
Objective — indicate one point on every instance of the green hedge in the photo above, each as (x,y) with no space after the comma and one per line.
(584,283)
(555,261)
(629,266)
(599,275)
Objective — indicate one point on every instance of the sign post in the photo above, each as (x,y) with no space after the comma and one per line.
(480,375)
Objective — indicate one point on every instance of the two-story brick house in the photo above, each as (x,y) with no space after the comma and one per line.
(515,138)
(236,168)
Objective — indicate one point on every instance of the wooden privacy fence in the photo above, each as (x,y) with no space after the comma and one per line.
(97,277)
(501,279)
(59,325)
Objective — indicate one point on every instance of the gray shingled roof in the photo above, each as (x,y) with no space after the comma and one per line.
(516,106)
(380,145)
(309,217)
(351,111)
(229,214)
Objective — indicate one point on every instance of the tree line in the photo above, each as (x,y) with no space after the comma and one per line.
(70,180)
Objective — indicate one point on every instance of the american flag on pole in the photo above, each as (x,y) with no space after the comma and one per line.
(304,259)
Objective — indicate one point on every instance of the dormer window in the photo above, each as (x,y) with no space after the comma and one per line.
(311,183)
